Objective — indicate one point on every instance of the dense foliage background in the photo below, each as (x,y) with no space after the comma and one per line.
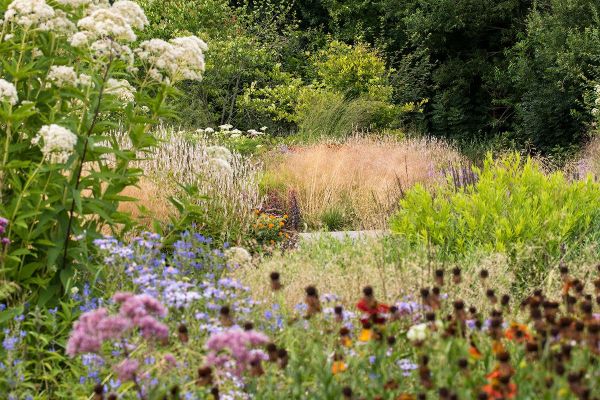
(513,73)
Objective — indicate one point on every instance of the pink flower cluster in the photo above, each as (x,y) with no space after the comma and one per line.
(235,345)
(96,326)
(3,224)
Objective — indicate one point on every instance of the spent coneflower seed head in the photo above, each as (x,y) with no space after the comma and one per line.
(275,281)
(347,392)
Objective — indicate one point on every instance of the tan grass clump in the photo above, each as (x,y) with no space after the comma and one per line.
(364,177)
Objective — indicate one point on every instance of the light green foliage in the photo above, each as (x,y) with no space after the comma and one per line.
(279,102)
(172,18)
(513,207)
(353,71)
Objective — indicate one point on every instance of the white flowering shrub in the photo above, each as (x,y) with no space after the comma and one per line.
(71,72)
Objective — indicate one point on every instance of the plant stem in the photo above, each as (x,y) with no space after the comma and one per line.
(82,160)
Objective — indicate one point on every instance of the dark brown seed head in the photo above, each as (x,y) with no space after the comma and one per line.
(347,392)
(248,326)
(503,356)
(338,310)
(225,310)
(484,274)
(463,363)
(99,389)
(368,291)
(311,291)
(505,300)
(182,328)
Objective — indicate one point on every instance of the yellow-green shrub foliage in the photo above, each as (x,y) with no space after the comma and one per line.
(513,206)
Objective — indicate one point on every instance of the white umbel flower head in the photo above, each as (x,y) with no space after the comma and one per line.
(219,152)
(57,142)
(29,13)
(122,89)
(62,76)
(220,167)
(238,256)
(8,92)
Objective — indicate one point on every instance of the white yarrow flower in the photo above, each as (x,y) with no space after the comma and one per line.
(225,127)
(57,142)
(8,92)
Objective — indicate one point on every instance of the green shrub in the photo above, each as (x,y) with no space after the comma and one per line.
(353,70)
(514,208)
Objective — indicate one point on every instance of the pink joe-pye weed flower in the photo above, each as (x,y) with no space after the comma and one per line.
(85,337)
(126,370)
(136,311)
(241,346)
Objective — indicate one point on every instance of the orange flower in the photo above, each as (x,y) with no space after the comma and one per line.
(497,347)
(338,366)
(497,392)
(365,335)
(474,353)
(346,341)
(271,226)
(405,396)
(517,332)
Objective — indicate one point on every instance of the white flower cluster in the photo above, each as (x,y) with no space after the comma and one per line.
(179,59)
(57,142)
(8,92)
(65,76)
(116,22)
(122,89)
(59,23)
(238,256)
(62,76)
(219,152)
(417,333)
(219,159)
(29,13)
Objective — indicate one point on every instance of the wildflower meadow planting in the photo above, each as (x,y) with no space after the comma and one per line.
(210,199)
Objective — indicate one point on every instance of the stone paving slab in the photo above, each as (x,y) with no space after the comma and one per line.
(342,235)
